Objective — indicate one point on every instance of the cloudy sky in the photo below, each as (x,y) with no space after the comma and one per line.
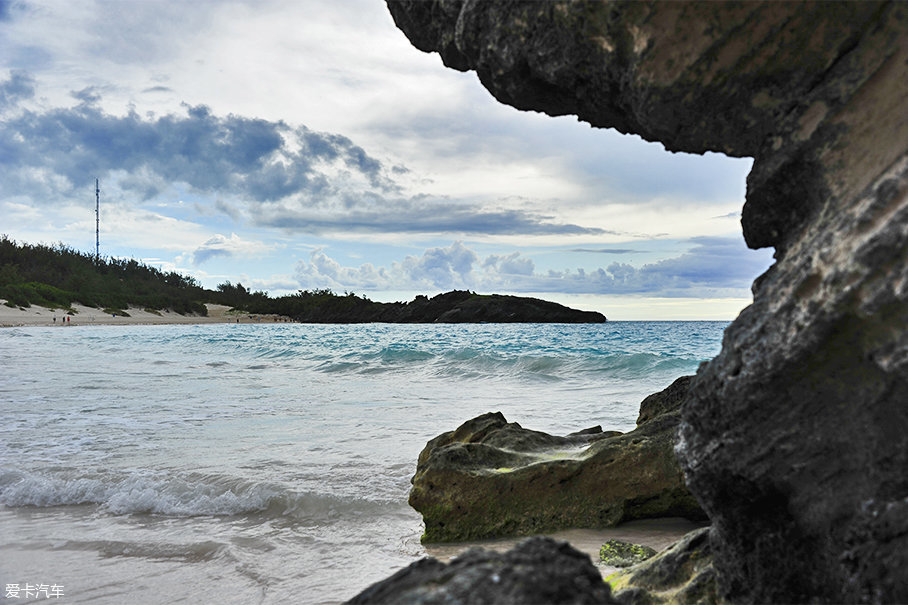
(292,144)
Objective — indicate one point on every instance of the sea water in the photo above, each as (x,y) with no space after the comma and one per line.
(262,463)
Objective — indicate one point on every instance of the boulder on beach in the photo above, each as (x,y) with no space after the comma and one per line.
(538,570)
(491,478)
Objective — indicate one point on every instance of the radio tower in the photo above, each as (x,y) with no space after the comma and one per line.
(97,221)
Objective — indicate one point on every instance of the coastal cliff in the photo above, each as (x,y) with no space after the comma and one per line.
(793,437)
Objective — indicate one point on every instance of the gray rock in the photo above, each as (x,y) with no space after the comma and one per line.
(793,438)
(538,570)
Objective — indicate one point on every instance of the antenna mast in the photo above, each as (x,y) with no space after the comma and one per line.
(97,221)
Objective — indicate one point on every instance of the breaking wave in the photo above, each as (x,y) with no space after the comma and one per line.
(181,496)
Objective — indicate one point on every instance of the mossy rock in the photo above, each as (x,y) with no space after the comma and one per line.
(618,553)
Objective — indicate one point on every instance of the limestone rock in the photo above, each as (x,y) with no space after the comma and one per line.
(683,573)
(665,401)
(490,478)
(619,553)
(538,570)
(793,438)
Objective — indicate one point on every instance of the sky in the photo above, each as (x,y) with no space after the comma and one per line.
(296,144)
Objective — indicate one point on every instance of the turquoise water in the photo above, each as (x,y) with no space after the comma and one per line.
(258,463)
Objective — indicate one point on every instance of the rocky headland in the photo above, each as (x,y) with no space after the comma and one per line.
(793,438)
(457,306)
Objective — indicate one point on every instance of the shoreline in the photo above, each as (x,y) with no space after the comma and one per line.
(35,316)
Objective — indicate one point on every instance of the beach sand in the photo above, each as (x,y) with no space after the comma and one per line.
(87,316)
(658,534)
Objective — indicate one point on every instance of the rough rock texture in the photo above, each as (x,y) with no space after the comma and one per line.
(490,478)
(619,553)
(793,438)
(538,570)
(683,573)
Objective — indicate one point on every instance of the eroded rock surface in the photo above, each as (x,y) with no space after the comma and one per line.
(793,438)
(682,573)
(491,478)
(538,570)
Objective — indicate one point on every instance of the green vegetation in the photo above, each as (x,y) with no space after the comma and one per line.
(57,276)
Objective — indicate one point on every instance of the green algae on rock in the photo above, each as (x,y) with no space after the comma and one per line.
(619,553)
(683,573)
(490,478)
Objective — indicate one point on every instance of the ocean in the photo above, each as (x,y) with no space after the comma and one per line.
(229,463)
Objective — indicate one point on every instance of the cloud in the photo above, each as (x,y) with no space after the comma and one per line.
(88,95)
(417,214)
(607,250)
(223,246)
(257,160)
(19,87)
(713,267)
(277,175)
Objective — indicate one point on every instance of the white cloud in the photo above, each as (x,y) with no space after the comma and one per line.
(713,267)
(220,245)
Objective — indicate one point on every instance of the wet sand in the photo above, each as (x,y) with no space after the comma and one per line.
(658,534)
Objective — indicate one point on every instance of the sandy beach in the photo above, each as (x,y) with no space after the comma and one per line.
(88,316)
(658,534)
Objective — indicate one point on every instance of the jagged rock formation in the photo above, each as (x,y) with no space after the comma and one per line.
(538,570)
(490,478)
(793,438)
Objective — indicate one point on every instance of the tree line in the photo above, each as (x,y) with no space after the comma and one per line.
(58,276)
